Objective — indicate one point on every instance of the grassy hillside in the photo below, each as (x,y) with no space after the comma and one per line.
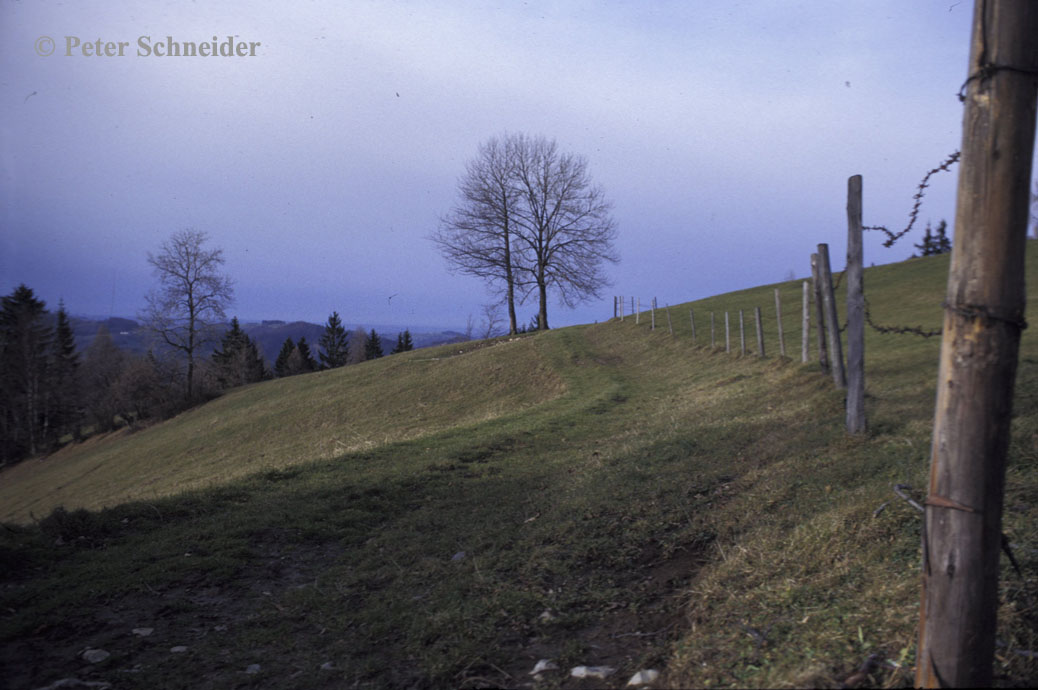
(596,495)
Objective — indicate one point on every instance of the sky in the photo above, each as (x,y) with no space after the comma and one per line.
(722,132)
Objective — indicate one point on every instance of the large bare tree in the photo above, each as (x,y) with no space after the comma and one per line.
(191,298)
(564,224)
(477,235)
(529,218)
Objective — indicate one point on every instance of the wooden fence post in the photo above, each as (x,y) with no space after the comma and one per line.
(638,314)
(622,308)
(832,320)
(855,311)
(823,350)
(670,325)
(727,334)
(983,317)
(805,327)
(692,320)
(778,320)
(742,335)
(713,341)
(652,310)
(760,330)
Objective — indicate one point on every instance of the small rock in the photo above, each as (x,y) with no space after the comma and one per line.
(179,649)
(646,677)
(252,668)
(546,616)
(600,672)
(143,632)
(458,556)
(77,683)
(544,665)
(95,656)
(327,666)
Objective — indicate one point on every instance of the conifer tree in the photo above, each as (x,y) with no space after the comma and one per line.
(25,343)
(307,362)
(403,342)
(281,366)
(373,348)
(63,380)
(238,361)
(335,351)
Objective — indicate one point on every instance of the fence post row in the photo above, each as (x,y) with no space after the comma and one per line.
(855,311)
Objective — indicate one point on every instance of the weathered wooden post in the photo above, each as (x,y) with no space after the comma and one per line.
(778,320)
(832,320)
(670,325)
(742,335)
(652,311)
(760,330)
(713,341)
(692,320)
(983,317)
(622,308)
(855,311)
(638,314)
(805,329)
(727,334)
(823,351)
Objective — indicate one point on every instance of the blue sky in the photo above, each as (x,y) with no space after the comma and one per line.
(723,133)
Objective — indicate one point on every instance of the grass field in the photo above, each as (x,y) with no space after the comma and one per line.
(594,495)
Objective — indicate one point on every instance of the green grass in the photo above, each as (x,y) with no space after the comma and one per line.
(667,505)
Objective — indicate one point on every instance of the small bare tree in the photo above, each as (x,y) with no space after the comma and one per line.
(491,320)
(191,298)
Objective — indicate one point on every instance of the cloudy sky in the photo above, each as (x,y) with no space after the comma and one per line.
(723,133)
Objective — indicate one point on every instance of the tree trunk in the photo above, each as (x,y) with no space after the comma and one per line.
(984,312)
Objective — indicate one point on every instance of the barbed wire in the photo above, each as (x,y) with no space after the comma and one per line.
(913,215)
(899,329)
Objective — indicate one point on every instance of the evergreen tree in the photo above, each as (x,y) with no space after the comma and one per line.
(403,342)
(373,348)
(935,243)
(25,344)
(102,366)
(307,362)
(281,366)
(238,361)
(335,351)
(63,380)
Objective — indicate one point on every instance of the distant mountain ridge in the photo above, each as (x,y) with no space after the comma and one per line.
(269,334)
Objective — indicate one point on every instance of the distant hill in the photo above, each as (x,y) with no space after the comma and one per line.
(269,335)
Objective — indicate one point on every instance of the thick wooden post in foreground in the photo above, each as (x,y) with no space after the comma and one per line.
(855,311)
(832,320)
(984,312)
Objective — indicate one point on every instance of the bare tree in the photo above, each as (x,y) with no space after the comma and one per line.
(476,237)
(564,224)
(191,299)
(491,320)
